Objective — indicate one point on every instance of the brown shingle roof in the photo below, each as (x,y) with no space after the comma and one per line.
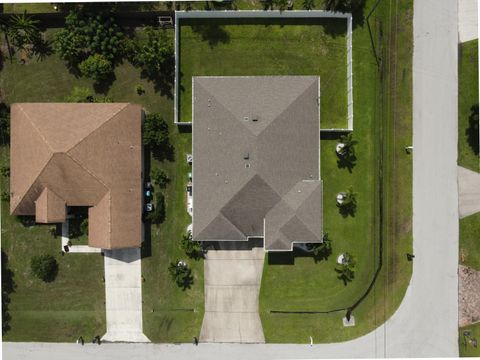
(85,155)
(256,159)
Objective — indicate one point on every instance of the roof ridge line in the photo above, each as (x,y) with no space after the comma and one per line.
(88,171)
(288,107)
(36,128)
(96,129)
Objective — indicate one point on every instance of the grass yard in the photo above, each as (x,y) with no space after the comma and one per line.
(466,349)
(470,241)
(306,286)
(467,98)
(268,47)
(74,303)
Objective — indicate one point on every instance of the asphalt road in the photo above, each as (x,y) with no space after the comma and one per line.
(426,323)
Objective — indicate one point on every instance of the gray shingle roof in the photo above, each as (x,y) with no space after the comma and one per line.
(256,159)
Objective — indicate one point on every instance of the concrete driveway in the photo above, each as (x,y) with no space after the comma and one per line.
(123,296)
(468,192)
(467,20)
(232,285)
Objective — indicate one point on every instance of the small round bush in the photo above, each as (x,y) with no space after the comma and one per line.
(44,267)
(96,67)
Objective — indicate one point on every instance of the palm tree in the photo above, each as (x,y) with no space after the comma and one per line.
(346,270)
(323,250)
(193,249)
(23,30)
(348,205)
(346,147)
(181,274)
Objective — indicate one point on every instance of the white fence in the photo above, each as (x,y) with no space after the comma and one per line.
(260,14)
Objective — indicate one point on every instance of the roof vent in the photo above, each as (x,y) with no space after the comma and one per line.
(245,118)
(255,118)
(246,156)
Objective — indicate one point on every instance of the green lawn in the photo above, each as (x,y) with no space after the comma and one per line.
(73,304)
(466,349)
(467,97)
(29,8)
(268,47)
(306,286)
(470,241)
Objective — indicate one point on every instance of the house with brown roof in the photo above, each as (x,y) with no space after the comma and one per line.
(256,165)
(66,155)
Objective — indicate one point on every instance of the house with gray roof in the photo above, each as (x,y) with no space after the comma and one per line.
(256,160)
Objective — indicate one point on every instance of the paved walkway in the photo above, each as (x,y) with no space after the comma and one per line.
(467,20)
(232,285)
(468,192)
(123,296)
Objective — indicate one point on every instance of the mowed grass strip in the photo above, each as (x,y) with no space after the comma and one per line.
(468,147)
(268,47)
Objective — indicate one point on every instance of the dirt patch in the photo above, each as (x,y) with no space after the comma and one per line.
(468,296)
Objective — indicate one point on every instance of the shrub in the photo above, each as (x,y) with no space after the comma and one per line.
(139,89)
(96,67)
(5,170)
(155,133)
(83,95)
(157,216)
(89,31)
(160,177)
(44,267)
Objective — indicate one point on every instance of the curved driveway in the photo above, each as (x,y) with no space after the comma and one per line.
(426,324)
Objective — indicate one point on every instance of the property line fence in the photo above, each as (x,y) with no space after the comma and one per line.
(262,14)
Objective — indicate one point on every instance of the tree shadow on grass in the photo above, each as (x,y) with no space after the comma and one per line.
(102,87)
(346,162)
(472,130)
(212,33)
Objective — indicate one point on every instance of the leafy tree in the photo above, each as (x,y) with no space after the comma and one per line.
(181,274)
(346,270)
(193,249)
(308,4)
(323,250)
(156,136)
(44,267)
(160,177)
(349,204)
(96,67)
(88,31)
(84,226)
(157,216)
(156,58)
(68,45)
